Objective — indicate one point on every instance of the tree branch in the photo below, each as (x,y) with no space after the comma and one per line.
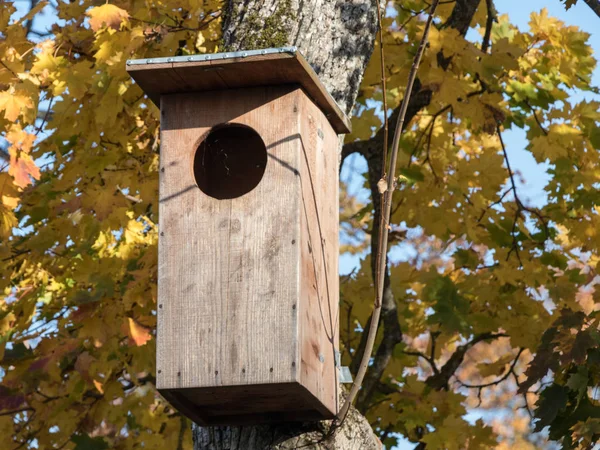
(381,267)
(492,16)
(440,380)
(594,6)
(371,150)
(499,380)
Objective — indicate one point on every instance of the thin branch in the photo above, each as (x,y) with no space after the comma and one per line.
(491,18)
(384,92)
(29,23)
(520,205)
(9,69)
(384,230)
(39,129)
(440,380)
(594,6)
(499,380)
(537,119)
(430,360)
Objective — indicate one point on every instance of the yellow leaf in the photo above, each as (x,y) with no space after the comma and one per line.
(139,334)
(7,222)
(20,139)
(13,104)
(109,15)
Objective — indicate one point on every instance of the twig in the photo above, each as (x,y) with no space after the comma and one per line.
(520,205)
(39,129)
(384,89)
(491,18)
(537,119)
(379,267)
(384,230)
(499,380)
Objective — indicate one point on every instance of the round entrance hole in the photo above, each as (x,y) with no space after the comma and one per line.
(230,161)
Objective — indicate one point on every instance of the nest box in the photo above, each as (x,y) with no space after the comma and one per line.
(248,248)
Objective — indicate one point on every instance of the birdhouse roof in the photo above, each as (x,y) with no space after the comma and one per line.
(234,70)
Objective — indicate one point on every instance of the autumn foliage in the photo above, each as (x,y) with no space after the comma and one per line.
(496,307)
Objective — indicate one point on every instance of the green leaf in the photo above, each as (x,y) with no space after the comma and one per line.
(555,259)
(552,401)
(466,258)
(412,174)
(84,442)
(450,307)
(578,382)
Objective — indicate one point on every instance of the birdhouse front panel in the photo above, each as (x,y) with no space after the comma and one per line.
(247,293)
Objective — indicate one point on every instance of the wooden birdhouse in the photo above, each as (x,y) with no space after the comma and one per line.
(248,247)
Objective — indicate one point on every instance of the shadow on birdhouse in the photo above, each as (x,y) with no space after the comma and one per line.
(248,248)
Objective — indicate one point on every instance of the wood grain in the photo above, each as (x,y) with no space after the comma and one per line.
(319,218)
(245,313)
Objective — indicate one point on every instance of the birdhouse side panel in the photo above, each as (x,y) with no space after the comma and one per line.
(228,268)
(319,316)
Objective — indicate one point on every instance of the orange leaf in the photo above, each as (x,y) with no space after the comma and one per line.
(109,15)
(99,386)
(139,334)
(22,169)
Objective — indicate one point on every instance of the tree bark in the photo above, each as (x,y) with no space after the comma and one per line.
(355,434)
(336,37)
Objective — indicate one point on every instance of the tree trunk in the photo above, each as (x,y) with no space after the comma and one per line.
(336,37)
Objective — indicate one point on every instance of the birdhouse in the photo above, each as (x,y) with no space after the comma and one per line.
(248,247)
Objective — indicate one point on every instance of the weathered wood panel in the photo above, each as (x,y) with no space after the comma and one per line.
(227,278)
(248,315)
(319,306)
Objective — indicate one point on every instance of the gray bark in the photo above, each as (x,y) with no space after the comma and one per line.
(337,38)
(355,434)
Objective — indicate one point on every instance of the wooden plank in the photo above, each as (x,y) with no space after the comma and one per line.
(228,271)
(157,79)
(319,310)
(248,405)
(199,76)
(238,72)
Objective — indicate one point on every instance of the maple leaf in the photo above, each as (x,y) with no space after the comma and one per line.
(23,168)
(139,334)
(569,3)
(7,222)
(552,401)
(110,15)
(13,104)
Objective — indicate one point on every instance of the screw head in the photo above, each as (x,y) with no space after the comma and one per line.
(169,59)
